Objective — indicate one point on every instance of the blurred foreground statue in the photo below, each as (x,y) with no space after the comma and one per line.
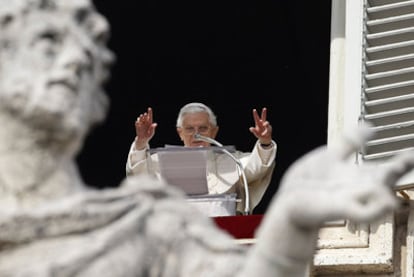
(53,64)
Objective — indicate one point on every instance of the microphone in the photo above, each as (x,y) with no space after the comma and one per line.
(239,165)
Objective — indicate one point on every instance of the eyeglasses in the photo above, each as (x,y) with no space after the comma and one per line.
(189,130)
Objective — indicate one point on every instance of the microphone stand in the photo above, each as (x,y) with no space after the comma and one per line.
(239,166)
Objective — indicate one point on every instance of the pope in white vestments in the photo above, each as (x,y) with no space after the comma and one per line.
(222,173)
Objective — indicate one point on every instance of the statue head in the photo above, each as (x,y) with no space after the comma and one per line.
(54,62)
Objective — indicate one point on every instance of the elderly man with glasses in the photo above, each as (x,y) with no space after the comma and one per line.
(197,120)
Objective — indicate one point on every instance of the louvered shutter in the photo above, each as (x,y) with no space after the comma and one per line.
(388,77)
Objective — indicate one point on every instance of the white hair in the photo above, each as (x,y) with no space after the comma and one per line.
(196,107)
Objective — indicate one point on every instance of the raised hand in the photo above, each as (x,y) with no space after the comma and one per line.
(328,184)
(144,129)
(262,129)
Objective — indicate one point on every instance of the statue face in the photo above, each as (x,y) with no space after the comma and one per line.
(54,65)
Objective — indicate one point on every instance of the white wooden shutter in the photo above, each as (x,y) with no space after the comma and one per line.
(388,77)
